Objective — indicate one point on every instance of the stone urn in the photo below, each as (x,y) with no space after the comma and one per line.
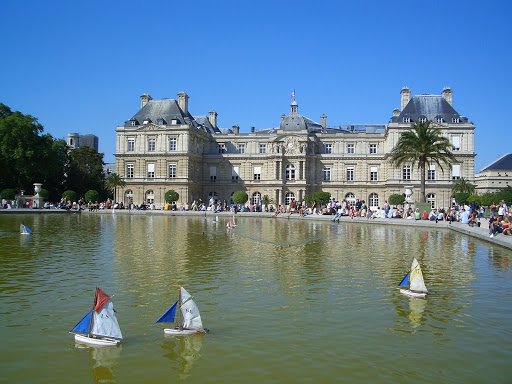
(408,194)
(37,201)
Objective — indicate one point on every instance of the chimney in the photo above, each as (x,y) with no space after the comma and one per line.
(405,96)
(212,117)
(144,99)
(183,102)
(323,120)
(447,94)
(236,129)
(253,129)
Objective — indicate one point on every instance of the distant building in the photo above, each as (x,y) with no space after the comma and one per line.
(495,176)
(163,147)
(76,141)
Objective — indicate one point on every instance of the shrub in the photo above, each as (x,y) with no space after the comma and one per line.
(92,196)
(322,198)
(240,197)
(8,193)
(461,197)
(171,196)
(70,195)
(44,194)
(396,199)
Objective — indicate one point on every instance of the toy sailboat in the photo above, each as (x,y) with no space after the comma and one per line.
(413,283)
(189,322)
(99,326)
(24,230)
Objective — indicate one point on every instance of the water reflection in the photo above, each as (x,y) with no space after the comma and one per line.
(103,362)
(416,309)
(182,352)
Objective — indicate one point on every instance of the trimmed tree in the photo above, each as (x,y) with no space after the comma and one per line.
(8,193)
(171,196)
(44,194)
(322,198)
(69,195)
(461,197)
(240,197)
(92,196)
(396,199)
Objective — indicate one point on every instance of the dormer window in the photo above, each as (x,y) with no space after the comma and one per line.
(423,119)
(455,120)
(407,119)
(133,123)
(174,122)
(146,122)
(439,120)
(160,121)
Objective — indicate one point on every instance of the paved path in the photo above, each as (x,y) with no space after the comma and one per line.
(481,232)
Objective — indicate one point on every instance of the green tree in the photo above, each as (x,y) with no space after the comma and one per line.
(92,196)
(8,193)
(28,156)
(461,197)
(475,199)
(464,186)
(44,194)
(423,145)
(488,198)
(266,201)
(322,198)
(113,182)
(86,171)
(505,194)
(240,197)
(69,195)
(396,199)
(171,196)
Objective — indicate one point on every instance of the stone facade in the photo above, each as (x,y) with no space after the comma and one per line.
(495,176)
(164,147)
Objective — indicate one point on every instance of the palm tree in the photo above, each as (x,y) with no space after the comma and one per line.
(114,181)
(424,145)
(463,186)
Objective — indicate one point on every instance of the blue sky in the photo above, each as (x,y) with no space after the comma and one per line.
(81,66)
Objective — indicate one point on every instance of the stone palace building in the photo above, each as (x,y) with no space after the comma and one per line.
(164,147)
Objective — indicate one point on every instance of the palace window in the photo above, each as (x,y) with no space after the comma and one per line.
(431,172)
(431,199)
(173,143)
(373,200)
(151,170)
(406,172)
(373,149)
(151,144)
(150,197)
(327,173)
(241,147)
(373,174)
(350,173)
(213,173)
(455,171)
(455,120)
(172,171)
(290,172)
(406,119)
(350,148)
(222,148)
(130,147)
(129,171)
(328,148)
(289,197)
(456,143)
(257,173)
(350,198)
(256,198)
(234,174)
(263,148)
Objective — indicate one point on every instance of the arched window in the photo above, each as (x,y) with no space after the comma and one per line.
(431,199)
(256,198)
(150,197)
(351,198)
(289,197)
(290,172)
(373,200)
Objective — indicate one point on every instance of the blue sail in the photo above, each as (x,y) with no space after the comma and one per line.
(405,281)
(83,325)
(168,317)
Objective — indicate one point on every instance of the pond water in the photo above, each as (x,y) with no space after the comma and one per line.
(285,301)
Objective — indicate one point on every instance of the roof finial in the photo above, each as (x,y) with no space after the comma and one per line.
(292,95)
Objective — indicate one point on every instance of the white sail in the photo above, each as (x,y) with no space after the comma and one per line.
(190,312)
(105,322)
(416,278)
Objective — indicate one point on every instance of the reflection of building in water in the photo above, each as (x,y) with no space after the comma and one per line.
(499,259)
(182,352)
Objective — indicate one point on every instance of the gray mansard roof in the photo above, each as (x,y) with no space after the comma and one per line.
(164,111)
(504,163)
(431,107)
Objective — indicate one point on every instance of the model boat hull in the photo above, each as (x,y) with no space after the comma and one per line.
(102,342)
(182,332)
(409,293)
